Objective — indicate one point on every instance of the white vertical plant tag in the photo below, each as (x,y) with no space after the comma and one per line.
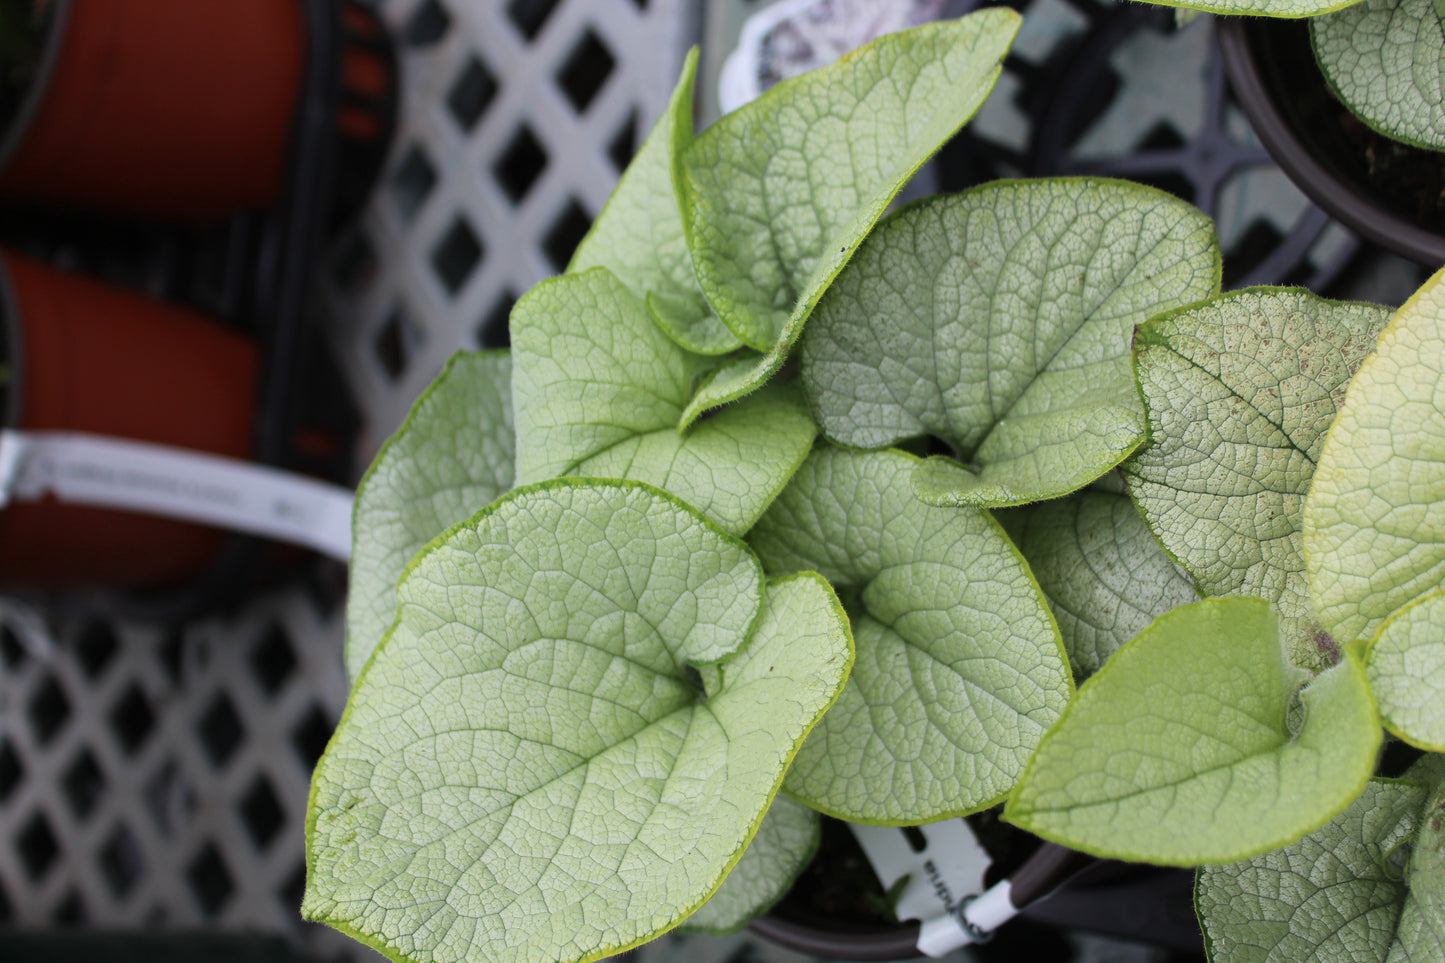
(177,483)
(791,37)
(949,868)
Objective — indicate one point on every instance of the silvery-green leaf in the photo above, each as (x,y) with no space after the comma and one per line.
(1240,391)
(1179,750)
(1374,520)
(526,769)
(999,320)
(1429,769)
(735,378)
(689,321)
(785,843)
(1406,668)
(1332,896)
(1286,9)
(780,192)
(1420,936)
(599,388)
(452,456)
(959,670)
(1385,60)
(639,234)
(1104,575)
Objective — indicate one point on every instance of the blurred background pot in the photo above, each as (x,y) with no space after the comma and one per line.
(82,356)
(1387,192)
(174,109)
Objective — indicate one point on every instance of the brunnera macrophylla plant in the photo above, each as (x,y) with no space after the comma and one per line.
(635,602)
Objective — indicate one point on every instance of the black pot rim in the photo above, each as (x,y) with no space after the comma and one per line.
(895,943)
(1342,199)
(19,125)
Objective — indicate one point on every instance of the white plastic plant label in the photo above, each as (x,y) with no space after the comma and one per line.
(177,483)
(791,37)
(948,868)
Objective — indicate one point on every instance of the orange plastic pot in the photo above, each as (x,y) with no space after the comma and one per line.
(83,356)
(173,109)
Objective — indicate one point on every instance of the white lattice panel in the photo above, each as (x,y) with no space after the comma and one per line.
(517,117)
(155,776)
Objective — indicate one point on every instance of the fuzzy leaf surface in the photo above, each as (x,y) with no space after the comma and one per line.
(1104,575)
(999,320)
(1285,9)
(525,770)
(639,235)
(1240,391)
(1406,667)
(1374,523)
(785,843)
(959,670)
(1385,60)
(781,191)
(1334,895)
(455,453)
(599,388)
(1420,936)
(1179,750)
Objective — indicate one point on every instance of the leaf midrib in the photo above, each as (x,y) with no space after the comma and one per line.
(890,626)
(1168,345)
(998,418)
(418,849)
(1273,752)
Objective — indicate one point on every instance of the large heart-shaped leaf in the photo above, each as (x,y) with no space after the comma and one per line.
(1105,576)
(999,320)
(639,234)
(454,454)
(1406,667)
(780,192)
(960,669)
(1179,750)
(1240,391)
(527,769)
(785,843)
(1374,521)
(1385,59)
(599,388)
(1333,895)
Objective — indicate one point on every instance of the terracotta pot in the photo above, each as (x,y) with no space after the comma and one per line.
(1270,67)
(86,357)
(172,109)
